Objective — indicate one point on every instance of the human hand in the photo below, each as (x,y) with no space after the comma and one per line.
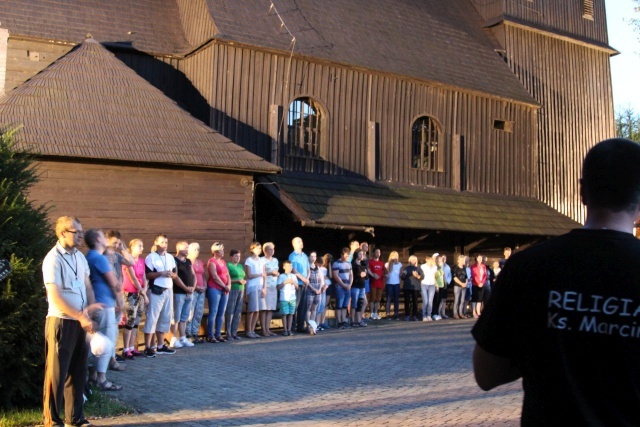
(264,292)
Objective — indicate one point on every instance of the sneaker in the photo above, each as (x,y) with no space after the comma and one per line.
(175,343)
(406,319)
(185,342)
(128,355)
(149,353)
(341,325)
(362,324)
(137,353)
(436,317)
(165,350)
(427,319)
(119,358)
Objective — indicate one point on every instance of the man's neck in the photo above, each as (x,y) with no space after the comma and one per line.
(65,247)
(160,252)
(604,219)
(181,257)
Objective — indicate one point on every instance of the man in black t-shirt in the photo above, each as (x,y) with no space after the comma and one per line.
(183,289)
(564,315)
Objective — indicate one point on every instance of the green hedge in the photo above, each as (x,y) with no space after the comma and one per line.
(25,238)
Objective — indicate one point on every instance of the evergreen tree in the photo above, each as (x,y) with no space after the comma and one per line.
(628,124)
(25,239)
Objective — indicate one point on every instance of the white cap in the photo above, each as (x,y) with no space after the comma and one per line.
(435,255)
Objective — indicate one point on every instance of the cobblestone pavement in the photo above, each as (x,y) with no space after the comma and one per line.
(391,373)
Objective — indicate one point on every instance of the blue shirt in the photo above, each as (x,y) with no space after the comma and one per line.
(300,263)
(99,265)
(448,277)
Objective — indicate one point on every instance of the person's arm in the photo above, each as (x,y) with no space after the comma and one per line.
(82,316)
(125,256)
(337,279)
(213,273)
(490,370)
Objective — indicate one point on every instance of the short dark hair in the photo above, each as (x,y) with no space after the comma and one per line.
(112,233)
(234,252)
(91,237)
(611,176)
(345,251)
(286,261)
(157,236)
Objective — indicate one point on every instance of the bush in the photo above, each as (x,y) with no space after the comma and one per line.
(25,238)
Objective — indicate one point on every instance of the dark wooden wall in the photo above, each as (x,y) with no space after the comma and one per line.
(240,84)
(572,81)
(197,206)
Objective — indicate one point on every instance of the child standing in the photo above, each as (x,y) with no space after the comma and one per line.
(287,285)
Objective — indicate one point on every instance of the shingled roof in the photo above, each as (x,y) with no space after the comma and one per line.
(89,104)
(146,25)
(351,201)
(434,40)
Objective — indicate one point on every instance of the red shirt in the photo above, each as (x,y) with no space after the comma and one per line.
(221,270)
(378,268)
(478,274)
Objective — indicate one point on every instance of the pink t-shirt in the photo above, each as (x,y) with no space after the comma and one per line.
(221,270)
(127,284)
(198,268)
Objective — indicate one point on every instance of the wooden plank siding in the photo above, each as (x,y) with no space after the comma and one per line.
(197,206)
(565,17)
(247,81)
(25,58)
(573,84)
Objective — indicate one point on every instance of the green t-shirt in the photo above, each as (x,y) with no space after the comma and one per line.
(236,272)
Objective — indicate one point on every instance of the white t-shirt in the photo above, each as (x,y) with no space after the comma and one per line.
(394,273)
(256,266)
(327,280)
(155,262)
(288,291)
(429,274)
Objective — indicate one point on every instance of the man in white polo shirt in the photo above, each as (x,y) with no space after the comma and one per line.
(160,269)
(71,303)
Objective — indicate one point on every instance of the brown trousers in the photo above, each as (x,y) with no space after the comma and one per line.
(65,374)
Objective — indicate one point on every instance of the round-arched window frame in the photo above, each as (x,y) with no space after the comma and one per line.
(304,128)
(426,145)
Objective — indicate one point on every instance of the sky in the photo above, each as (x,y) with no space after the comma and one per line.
(625,67)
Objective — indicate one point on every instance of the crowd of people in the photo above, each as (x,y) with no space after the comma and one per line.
(114,287)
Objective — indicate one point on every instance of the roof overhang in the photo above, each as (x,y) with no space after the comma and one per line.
(355,203)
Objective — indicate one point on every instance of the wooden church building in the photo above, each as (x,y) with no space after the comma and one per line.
(417,125)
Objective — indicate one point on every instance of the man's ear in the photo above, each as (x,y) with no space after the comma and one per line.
(583,197)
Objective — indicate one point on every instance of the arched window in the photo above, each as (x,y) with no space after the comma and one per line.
(425,145)
(304,123)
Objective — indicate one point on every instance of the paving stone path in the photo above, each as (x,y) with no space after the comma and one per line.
(391,373)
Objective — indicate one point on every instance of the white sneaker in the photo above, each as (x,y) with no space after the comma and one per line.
(436,317)
(175,343)
(374,316)
(185,342)
(426,319)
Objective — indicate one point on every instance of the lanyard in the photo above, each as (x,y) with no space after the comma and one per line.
(75,270)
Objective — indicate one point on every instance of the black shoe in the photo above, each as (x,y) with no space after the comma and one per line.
(149,353)
(119,358)
(165,350)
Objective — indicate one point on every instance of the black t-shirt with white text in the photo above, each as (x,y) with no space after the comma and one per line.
(567,312)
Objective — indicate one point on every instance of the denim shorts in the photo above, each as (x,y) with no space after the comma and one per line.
(181,307)
(356,294)
(342,297)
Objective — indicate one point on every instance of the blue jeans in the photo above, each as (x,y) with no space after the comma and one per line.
(342,297)
(428,292)
(217,305)
(234,311)
(459,300)
(197,308)
(393,293)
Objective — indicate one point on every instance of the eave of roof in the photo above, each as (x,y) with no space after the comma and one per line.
(354,201)
(88,104)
